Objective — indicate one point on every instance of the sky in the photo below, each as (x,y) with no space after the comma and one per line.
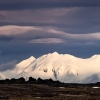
(37,27)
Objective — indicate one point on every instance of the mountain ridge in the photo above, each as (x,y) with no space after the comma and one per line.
(63,67)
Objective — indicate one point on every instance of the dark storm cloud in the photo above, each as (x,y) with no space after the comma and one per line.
(35,4)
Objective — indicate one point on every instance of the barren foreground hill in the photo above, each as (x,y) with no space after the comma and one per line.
(49,92)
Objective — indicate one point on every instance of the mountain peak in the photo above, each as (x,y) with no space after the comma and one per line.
(31,58)
(25,63)
(55,52)
(95,56)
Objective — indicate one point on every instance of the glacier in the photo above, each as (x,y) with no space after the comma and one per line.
(63,67)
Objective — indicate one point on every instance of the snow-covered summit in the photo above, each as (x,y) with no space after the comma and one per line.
(95,56)
(25,63)
(55,53)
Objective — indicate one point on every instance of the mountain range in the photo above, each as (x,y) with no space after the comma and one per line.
(63,67)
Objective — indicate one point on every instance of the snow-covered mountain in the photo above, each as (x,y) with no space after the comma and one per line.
(25,63)
(2,77)
(63,67)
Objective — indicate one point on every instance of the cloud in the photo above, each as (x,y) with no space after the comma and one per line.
(86,43)
(89,36)
(2,17)
(14,30)
(71,20)
(38,4)
(47,40)
(33,34)
(8,66)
